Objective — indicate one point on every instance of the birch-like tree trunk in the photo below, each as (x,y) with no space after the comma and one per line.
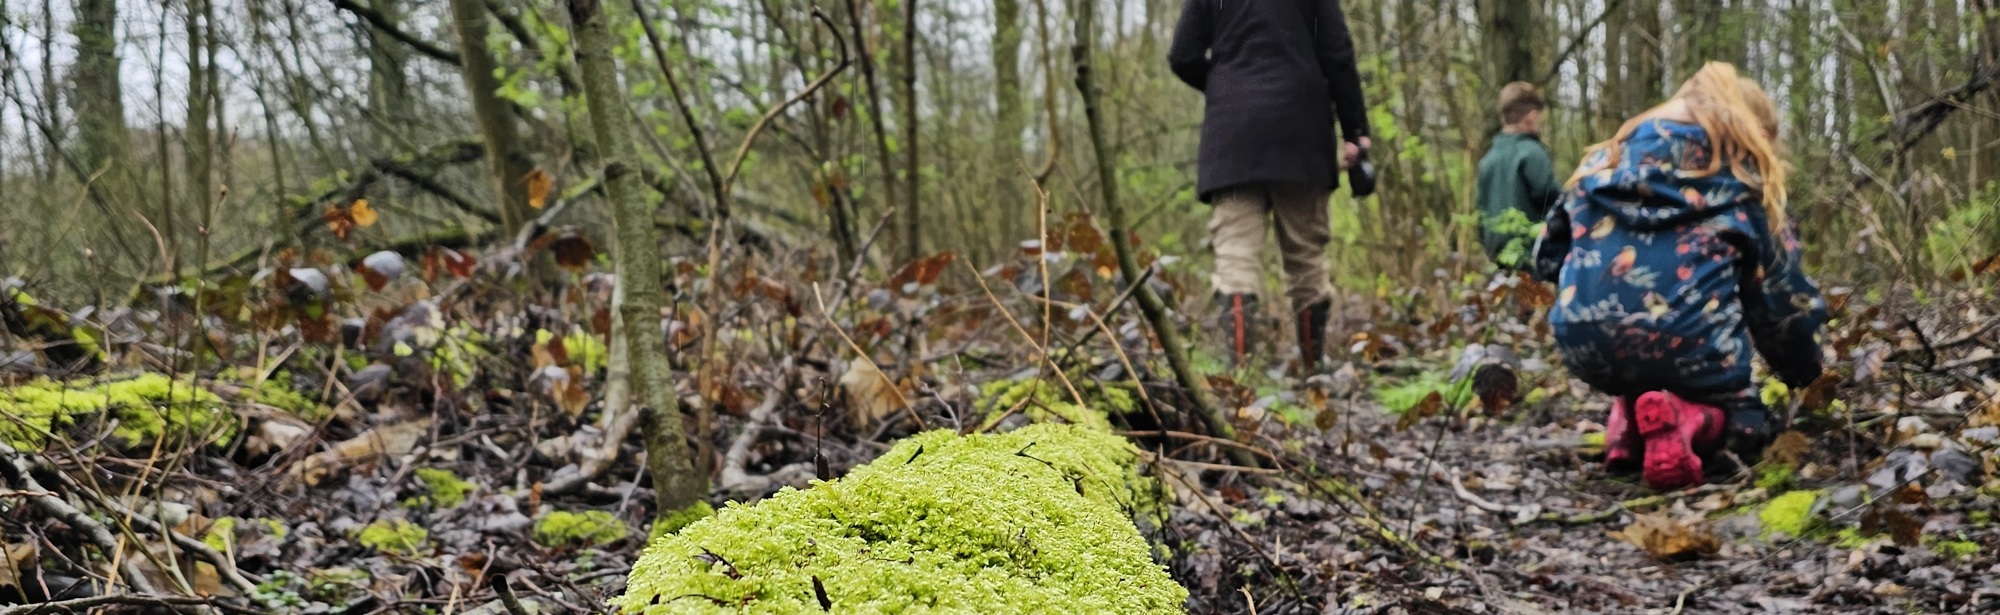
(677,486)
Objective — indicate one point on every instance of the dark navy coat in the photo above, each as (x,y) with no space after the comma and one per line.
(1274,74)
(1667,279)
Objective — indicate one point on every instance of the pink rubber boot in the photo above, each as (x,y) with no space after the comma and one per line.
(1673,429)
(1622,446)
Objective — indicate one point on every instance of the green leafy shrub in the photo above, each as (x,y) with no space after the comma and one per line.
(1030,521)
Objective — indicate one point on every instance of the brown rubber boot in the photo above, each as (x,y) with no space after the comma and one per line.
(1311,324)
(1238,320)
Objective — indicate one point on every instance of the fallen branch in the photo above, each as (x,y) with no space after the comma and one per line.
(15,468)
(91,604)
(733,476)
(1630,505)
(224,567)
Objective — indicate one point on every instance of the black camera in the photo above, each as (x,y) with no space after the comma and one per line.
(1361,174)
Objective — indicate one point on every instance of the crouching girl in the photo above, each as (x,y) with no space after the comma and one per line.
(1673,259)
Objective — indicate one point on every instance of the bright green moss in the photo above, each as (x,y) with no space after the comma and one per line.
(1775,477)
(589,528)
(1850,538)
(1956,549)
(277,392)
(396,536)
(445,489)
(146,408)
(673,522)
(1790,513)
(1980,518)
(1052,402)
(584,350)
(1030,521)
(220,534)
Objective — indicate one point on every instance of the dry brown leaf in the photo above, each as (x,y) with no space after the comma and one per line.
(371,445)
(870,393)
(539,182)
(19,559)
(1789,447)
(1670,540)
(569,394)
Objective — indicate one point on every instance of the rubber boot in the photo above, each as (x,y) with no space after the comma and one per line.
(1310,322)
(1674,430)
(1623,448)
(1239,315)
(1750,429)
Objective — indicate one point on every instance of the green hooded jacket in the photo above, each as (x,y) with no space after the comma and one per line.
(1517,174)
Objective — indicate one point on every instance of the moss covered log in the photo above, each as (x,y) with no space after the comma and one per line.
(1037,520)
(145,408)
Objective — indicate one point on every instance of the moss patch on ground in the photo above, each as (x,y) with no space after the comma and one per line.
(1790,514)
(1030,521)
(396,536)
(589,528)
(442,488)
(146,408)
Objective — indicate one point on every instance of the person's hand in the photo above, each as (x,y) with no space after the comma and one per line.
(1348,151)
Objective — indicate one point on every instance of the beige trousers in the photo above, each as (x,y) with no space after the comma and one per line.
(1237,229)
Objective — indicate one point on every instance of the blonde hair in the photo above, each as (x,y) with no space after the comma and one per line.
(1517,99)
(1742,128)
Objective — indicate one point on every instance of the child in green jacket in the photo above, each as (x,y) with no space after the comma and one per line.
(1517,180)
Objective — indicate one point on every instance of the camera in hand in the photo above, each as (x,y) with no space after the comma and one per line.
(1361,174)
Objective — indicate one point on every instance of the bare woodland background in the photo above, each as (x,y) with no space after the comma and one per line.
(122,122)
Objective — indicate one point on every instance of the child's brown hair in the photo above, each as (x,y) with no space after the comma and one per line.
(1517,99)
(1741,124)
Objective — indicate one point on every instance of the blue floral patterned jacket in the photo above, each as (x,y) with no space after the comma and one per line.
(1667,279)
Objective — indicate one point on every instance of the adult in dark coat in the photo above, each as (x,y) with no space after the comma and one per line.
(1275,74)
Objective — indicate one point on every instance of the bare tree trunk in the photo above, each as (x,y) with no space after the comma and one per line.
(677,485)
(875,110)
(1009,118)
(198,142)
(1107,185)
(510,165)
(913,244)
(100,115)
(389,96)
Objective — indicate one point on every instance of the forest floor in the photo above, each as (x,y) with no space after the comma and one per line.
(376,437)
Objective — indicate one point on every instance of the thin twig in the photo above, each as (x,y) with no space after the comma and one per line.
(863,355)
(1041,350)
(743,149)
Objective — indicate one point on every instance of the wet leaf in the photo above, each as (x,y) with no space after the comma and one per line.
(380,268)
(1669,540)
(573,251)
(1820,393)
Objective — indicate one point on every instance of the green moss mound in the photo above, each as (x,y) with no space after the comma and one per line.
(1790,513)
(590,528)
(146,408)
(443,489)
(396,536)
(1031,521)
(1045,401)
